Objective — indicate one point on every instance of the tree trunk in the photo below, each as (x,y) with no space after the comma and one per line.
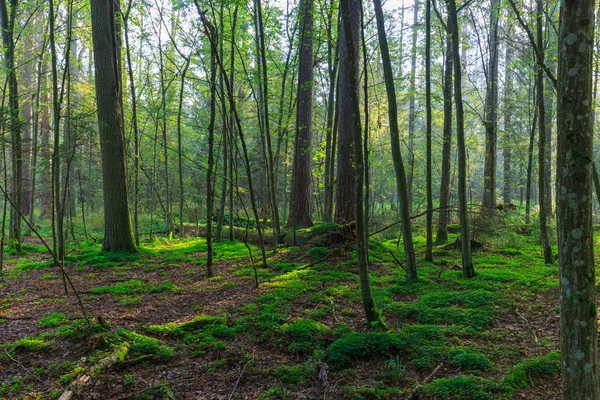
(401,183)
(542,138)
(412,107)
(118,235)
(301,196)
(8,22)
(444,215)
(361,238)
(429,241)
(488,203)
(468,270)
(508,125)
(345,211)
(578,311)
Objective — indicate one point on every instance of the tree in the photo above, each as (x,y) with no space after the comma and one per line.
(345,211)
(361,237)
(118,235)
(465,237)
(8,23)
(401,181)
(301,196)
(542,136)
(444,215)
(488,203)
(578,312)
(429,234)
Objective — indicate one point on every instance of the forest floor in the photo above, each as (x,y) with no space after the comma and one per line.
(300,335)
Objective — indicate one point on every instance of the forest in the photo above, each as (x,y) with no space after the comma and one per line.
(299,199)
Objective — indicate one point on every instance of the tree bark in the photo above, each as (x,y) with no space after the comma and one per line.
(345,211)
(578,311)
(488,203)
(118,235)
(468,270)
(8,22)
(542,140)
(401,182)
(444,215)
(361,238)
(301,195)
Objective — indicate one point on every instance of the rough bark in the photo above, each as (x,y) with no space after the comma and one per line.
(118,235)
(468,270)
(301,195)
(345,211)
(401,181)
(8,22)
(488,203)
(542,140)
(508,125)
(444,215)
(578,311)
(361,237)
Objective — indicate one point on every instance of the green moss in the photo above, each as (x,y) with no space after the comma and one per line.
(412,340)
(546,365)
(32,343)
(180,329)
(463,388)
(293,375)
(317,253)
(79,330)
(53,320)
(378,392)
(323,228)
(304,334)
(146,345)
(134,286)
(468,360)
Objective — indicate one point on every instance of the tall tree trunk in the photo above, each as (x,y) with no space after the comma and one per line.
(401,183)
(542,138)
(488,203)
(301,196)
(345,210)
(412,106)
(361,237)
(468,270)
(578,311)
(211,160)
(332,68)
(35,128)
(8,22)
(180,144)
(429,241)
(508,125)
(444,215)
(134,123)
(272,183)
(118,235)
